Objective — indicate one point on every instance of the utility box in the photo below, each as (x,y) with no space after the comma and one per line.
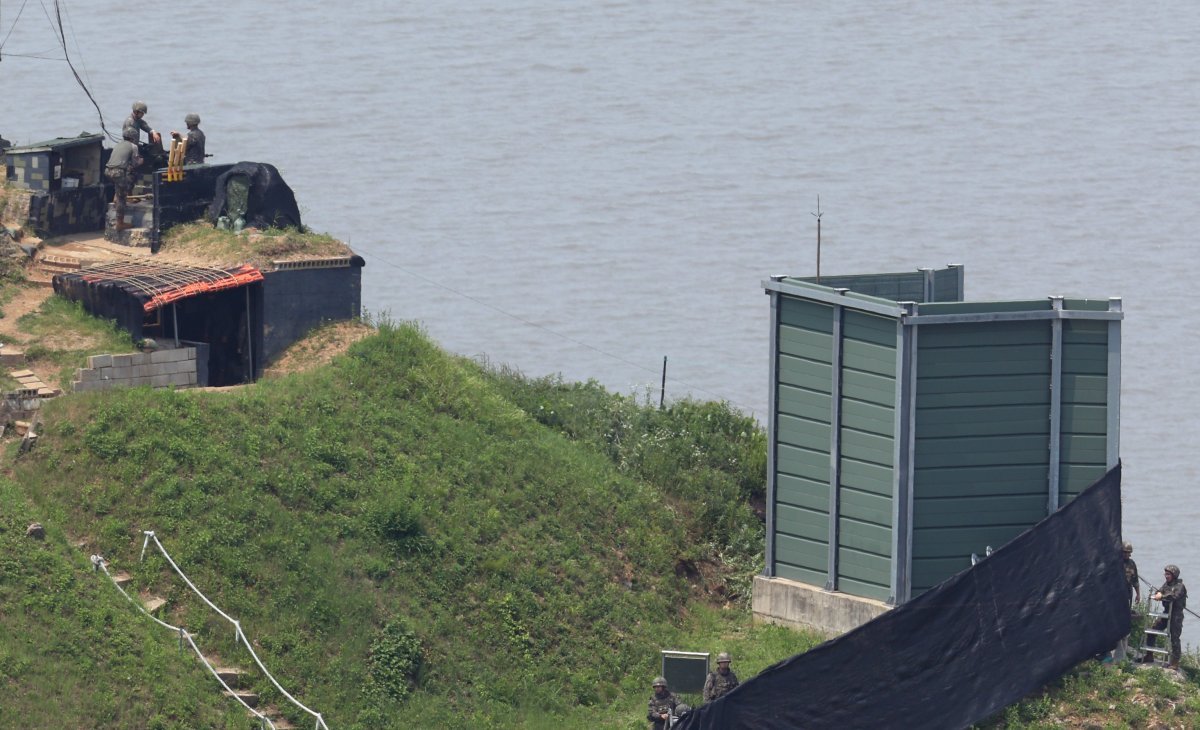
(907,434)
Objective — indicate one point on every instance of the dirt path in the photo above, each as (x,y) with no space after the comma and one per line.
(24,300)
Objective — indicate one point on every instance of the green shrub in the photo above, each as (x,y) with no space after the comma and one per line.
(395,661)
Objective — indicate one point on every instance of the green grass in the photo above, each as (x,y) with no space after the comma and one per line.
(259,247)
(61,333)
(398,486)
(410,540)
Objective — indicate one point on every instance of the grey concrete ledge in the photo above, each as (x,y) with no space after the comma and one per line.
(802,606)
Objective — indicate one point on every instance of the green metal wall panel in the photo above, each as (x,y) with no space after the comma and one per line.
(1084,439)
(981,440)
(867,441)
(802,435)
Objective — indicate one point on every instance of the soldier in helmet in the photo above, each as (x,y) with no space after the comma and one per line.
(1173,596)
(662,705)
(721,681)
(137,123)
(194,155)
(121,170)
(1131,574)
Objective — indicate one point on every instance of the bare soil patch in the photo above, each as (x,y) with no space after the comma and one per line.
(319,347)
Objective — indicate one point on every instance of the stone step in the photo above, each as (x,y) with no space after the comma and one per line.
(231,676)
(245,695)
(11,356)
(22,427)
(18,374)
(279,721)
(123,578)
(153,603)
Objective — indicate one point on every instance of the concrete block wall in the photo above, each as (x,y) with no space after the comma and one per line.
(158,369)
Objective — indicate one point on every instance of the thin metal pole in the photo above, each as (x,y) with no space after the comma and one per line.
(818,216)
(662,389)
(175,317)
(249,336)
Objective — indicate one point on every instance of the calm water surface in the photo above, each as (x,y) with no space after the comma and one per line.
(585,188)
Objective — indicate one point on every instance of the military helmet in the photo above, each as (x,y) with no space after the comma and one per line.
(659,682)
(1172,569)
(1127,547)
(140,106)
(130,134)
(723,657)
(192,118)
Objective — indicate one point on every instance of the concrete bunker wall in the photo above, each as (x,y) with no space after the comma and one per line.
(295,300)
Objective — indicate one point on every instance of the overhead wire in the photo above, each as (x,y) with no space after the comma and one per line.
(14,25)
(546,329)
(56,25)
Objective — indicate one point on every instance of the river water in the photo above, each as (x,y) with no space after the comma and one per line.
(587,187)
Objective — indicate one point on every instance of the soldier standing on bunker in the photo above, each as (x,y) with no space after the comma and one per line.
(662,705)
(136,122)
(1173,595)
(120,169)
(195,140)
(720,682)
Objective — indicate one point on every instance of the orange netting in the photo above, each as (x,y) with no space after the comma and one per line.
(166,283)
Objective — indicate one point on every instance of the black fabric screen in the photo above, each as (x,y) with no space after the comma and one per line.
(1052,597)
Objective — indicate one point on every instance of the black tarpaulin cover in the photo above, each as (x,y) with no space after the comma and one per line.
(271,202)
(1052,597)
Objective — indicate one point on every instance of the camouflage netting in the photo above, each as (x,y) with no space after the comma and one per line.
(256,192)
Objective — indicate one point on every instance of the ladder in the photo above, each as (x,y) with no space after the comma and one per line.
(1162,648)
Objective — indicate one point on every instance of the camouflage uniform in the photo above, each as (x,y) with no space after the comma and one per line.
(120,169)
(658,705)
(719,684)
(1131,576)
(132,122)
(1174,601)
(195,147)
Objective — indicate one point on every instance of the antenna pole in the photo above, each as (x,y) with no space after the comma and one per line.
(817,215)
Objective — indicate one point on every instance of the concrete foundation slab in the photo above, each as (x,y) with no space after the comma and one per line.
(798,605)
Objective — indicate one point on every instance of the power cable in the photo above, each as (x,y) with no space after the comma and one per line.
(57,26)
(14,24)
(560,335)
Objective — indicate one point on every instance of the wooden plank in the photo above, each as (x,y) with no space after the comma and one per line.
(1079,331)
(982,481)
(1075,478)
(1016,360)
(981,451)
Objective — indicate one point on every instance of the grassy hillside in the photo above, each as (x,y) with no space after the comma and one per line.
(410,540)
(407,546)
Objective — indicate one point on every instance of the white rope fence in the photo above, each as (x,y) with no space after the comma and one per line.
(99,563)
(239,635)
